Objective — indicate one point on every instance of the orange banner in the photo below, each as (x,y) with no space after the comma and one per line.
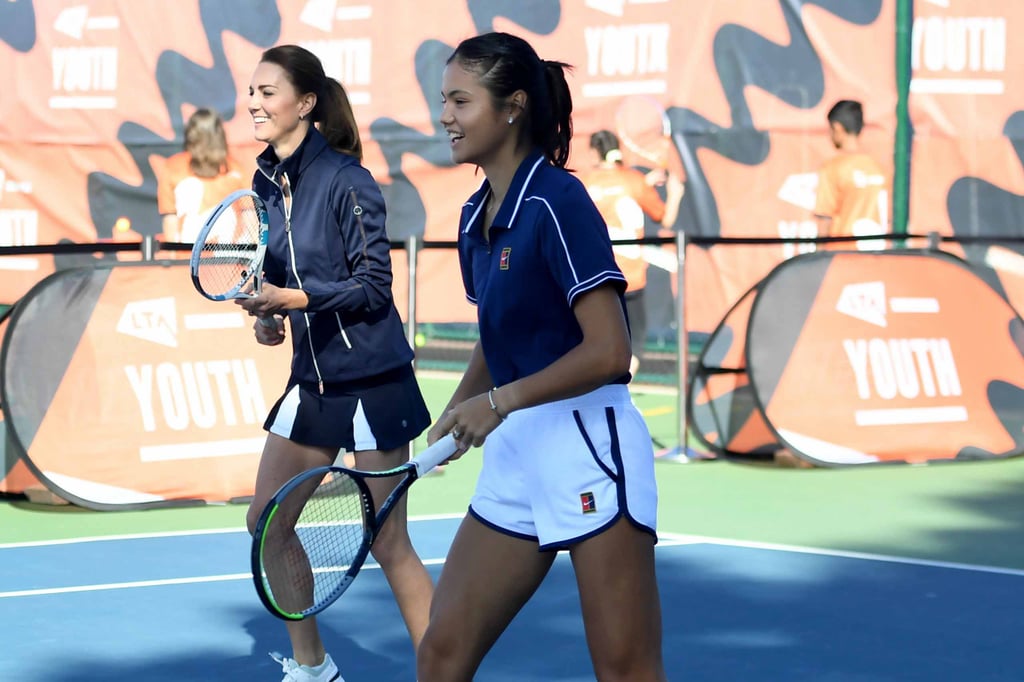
(123,387)
(912,356)
(967,158)
(101,90)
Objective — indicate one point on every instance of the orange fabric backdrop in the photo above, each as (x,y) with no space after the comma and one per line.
(98,90)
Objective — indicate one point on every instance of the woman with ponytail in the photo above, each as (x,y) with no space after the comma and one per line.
(328,270)
(567,463)
(624,195)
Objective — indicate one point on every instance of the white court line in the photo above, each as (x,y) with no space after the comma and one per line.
(865,556)
(157,583)
(665,540)
(179,533)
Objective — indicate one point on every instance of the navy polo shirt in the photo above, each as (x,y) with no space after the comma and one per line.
(548,246)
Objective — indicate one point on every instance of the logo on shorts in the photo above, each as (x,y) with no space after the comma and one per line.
(506,254)
(588,504)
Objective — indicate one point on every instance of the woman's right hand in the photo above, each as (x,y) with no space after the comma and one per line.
(435,433)
(270,335)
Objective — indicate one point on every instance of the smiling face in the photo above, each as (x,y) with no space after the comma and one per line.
(276,107)
(477,129)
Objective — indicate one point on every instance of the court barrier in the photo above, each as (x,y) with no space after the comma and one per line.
(122,388)
(855,357)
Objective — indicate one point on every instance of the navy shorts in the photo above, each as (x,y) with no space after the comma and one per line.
(381,412)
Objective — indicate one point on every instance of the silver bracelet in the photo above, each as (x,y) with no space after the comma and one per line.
(494,406)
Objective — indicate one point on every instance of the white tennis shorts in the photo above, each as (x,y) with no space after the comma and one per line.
(565,471)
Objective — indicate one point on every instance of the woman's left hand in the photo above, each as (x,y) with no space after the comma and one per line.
(273,300)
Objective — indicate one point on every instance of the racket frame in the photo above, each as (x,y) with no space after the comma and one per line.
(254,273)
(372,520)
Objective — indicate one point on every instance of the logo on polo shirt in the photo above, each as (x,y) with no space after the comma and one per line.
(587,503)
(506,254)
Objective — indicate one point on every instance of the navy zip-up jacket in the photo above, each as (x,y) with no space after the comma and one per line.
(329,240)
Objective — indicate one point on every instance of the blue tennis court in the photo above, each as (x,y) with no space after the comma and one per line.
(181,606)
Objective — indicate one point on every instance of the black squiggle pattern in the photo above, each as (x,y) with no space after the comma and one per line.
(18,24)
(978,207)
(180,81)
(742,57)
(407,215)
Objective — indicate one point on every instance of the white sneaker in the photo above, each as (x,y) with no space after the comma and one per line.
(293,672)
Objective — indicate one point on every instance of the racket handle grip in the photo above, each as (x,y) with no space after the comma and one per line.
(268,322)
(435,454)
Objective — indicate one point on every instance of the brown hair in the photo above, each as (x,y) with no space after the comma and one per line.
(333,111)
(206,143)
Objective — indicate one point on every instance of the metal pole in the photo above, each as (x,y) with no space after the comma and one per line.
(682,341)
(412,249)
(904,128)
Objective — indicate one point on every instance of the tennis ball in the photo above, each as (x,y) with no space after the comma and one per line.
(421,339)
(122,224)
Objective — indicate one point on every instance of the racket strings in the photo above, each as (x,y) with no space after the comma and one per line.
(229,249)
(306,562)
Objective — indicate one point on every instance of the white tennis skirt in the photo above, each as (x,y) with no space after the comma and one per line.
(565,471)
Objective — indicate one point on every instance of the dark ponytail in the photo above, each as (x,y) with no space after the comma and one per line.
(606,144)
(505,63)
(333,111)
(559,128)
(337,122)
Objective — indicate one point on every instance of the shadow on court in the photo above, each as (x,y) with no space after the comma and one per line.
(730,613)
(994,536)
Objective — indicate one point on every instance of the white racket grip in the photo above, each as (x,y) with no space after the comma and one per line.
(435,454)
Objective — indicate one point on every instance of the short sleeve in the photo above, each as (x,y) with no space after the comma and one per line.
(577,247)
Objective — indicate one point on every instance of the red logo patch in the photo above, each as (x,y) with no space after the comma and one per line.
(506,254)
(588,503)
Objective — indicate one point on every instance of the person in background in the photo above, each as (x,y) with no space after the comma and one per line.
(328,269)
(852,198)
(192,182)
(568,462)
(624,195)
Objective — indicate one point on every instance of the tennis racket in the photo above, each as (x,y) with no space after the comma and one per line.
(315,533)
(227,256)
(644,129)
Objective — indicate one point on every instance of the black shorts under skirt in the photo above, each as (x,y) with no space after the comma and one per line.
(382,412)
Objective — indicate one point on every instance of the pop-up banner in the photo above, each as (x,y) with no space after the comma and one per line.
(851,358)
(124,388)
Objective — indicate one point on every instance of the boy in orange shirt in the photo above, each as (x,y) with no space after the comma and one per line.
(852,199)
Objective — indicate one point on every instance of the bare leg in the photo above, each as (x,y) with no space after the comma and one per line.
(621,608)
(409,580)
(281,460)
(486,579)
